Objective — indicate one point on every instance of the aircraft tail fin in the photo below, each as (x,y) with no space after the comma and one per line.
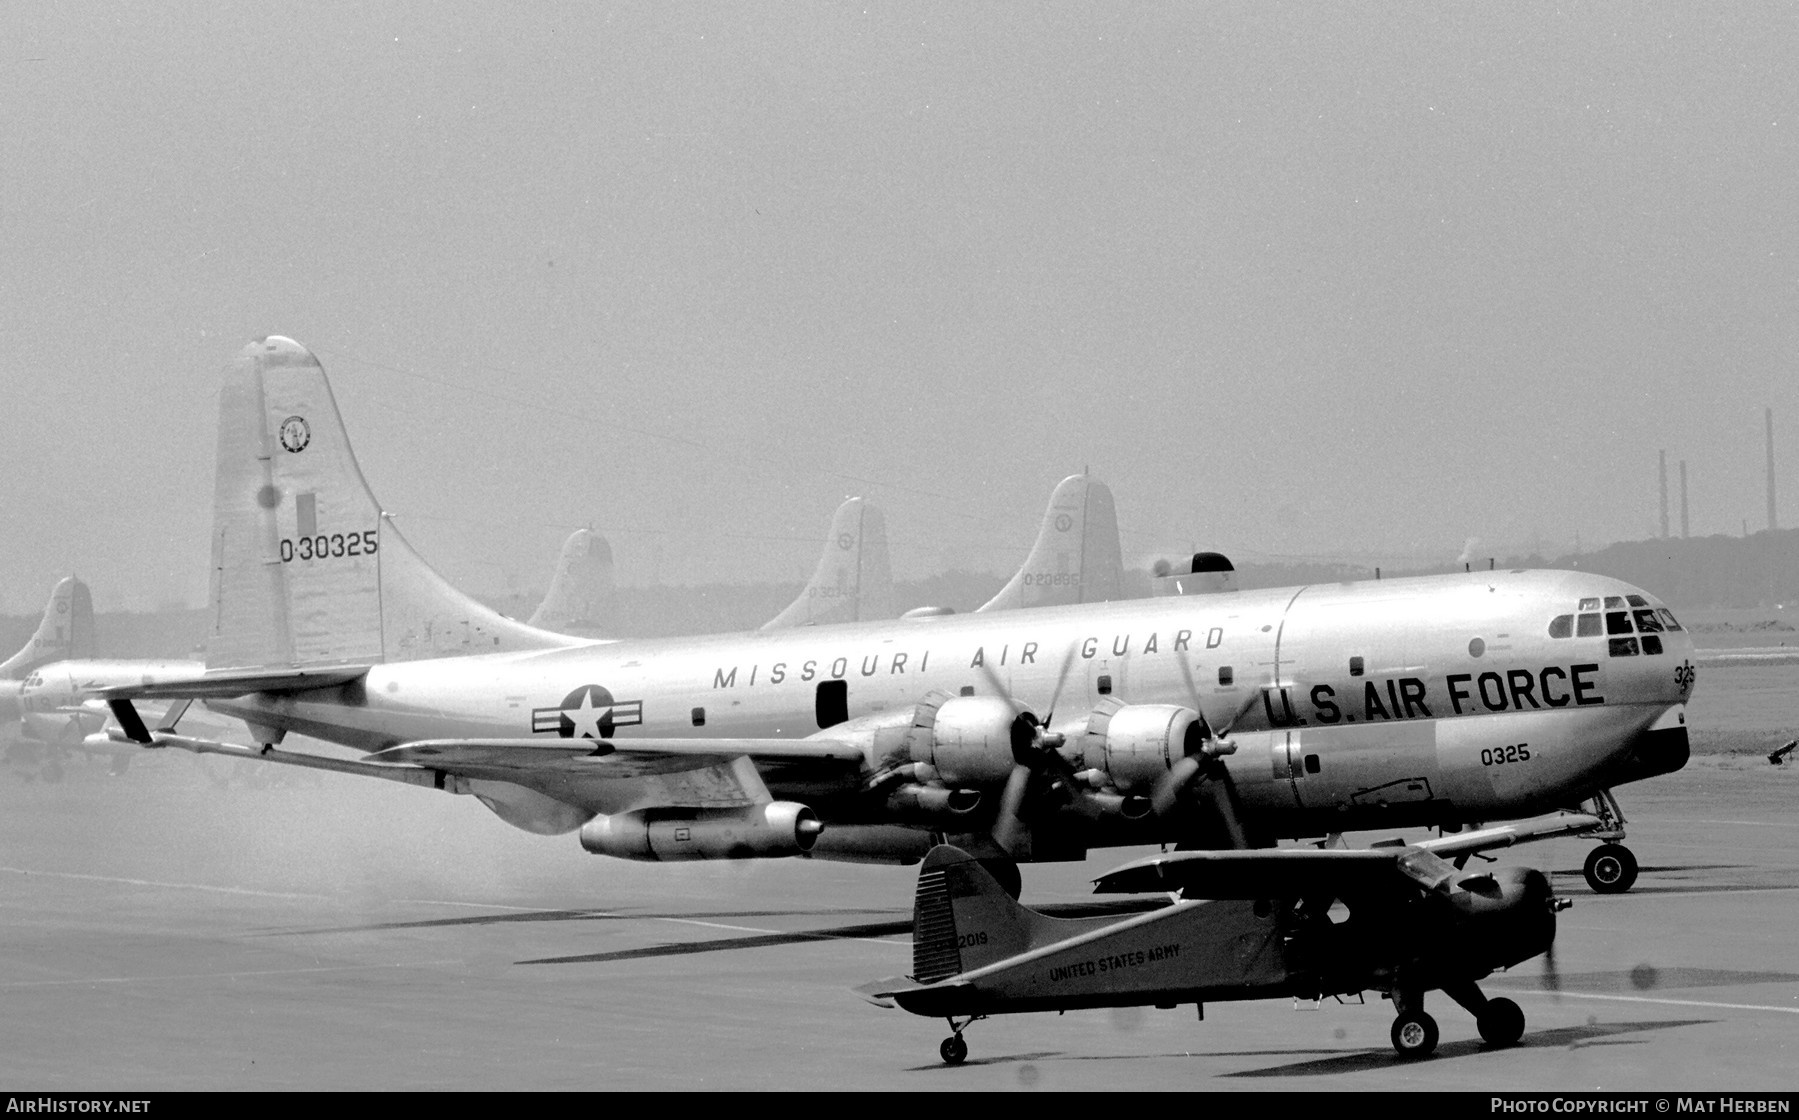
(963,919)
(1077,558)
(65,632)
(582,597)
(307,568)
(853,581)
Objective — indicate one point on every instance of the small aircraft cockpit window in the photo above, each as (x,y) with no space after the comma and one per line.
(1590,603)
(1561,626)
(1612,601)
(1647,623)
(1651,644)
(1356,667)
(1668,617)
(1225,676)
(1588,626)
(1623,647)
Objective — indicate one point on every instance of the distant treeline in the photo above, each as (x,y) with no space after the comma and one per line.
(1701,572)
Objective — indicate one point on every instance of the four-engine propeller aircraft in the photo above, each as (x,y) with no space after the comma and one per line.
(1264,930)
(33,736)
(1209,720)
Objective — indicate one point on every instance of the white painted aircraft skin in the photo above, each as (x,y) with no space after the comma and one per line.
(853,581)
(1438,700)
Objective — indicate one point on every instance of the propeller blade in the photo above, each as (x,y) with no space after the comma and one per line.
(1166,796)
(1009,827)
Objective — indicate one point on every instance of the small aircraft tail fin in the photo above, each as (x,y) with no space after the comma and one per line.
(307,568)
(853,582)
(1077,558)
(66,631)
(582,597)
(963,919)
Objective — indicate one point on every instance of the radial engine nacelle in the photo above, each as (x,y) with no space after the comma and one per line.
(1136,745)
(970,742)
(777,828)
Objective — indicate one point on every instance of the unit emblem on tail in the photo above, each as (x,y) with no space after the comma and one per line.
(296,433)
(589,712)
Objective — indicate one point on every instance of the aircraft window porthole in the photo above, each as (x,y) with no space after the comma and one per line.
(1477,647)
(1561,626)
(1356,667)
(1651,644)
(1225,676)
(699,717)
(1589,626)
(1312,766)
(968,690)
(1104,684)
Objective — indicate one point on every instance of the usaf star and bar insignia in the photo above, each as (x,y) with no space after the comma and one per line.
(589,712)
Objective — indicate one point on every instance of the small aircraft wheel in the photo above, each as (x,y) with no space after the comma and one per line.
(1611,869)
(953,1051)
(1501,1022)
(1414,1035)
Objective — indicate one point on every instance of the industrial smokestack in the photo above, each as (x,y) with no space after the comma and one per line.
(1683,499)
(1664,481)
(1772,523)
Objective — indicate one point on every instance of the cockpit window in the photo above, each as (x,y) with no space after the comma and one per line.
(1647,623)
(1636,600)
(1612,601)
(1623,647)
(1591,603)
(1589,625)
(1618,622)
(1561,626)
(1651,644)
(1668,617)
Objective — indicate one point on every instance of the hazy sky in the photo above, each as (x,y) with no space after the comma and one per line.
(1296,280)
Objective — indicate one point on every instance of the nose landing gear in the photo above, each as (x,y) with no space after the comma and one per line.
(1611,868)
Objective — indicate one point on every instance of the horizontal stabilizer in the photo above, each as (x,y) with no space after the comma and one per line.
(1297,872)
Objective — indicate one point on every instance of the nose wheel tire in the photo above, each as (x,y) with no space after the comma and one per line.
(1414,1035)
(954,1050)
(1501,1022)
(1611,869)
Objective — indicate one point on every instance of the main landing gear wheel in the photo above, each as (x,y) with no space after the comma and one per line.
(954,1050)
(1501,1022)
(1414,1035)
(1611,869)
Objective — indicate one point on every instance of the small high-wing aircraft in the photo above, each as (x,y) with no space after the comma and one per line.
(1222,721)
(1248,925)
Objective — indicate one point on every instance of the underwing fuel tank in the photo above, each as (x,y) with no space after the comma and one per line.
(779,828)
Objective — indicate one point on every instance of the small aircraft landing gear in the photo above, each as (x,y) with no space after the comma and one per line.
(1414,1033)
(1611,868)
(954,1050)
(1500,1021)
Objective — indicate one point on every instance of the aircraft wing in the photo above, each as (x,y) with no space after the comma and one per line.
(1297,872)
(605,758)
(232,683)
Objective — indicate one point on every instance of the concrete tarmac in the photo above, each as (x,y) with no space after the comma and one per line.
(176,927)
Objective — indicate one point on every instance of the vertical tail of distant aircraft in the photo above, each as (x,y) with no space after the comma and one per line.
(65,632)
(853,582)
(307,569)
(1077,558)
(582,597)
